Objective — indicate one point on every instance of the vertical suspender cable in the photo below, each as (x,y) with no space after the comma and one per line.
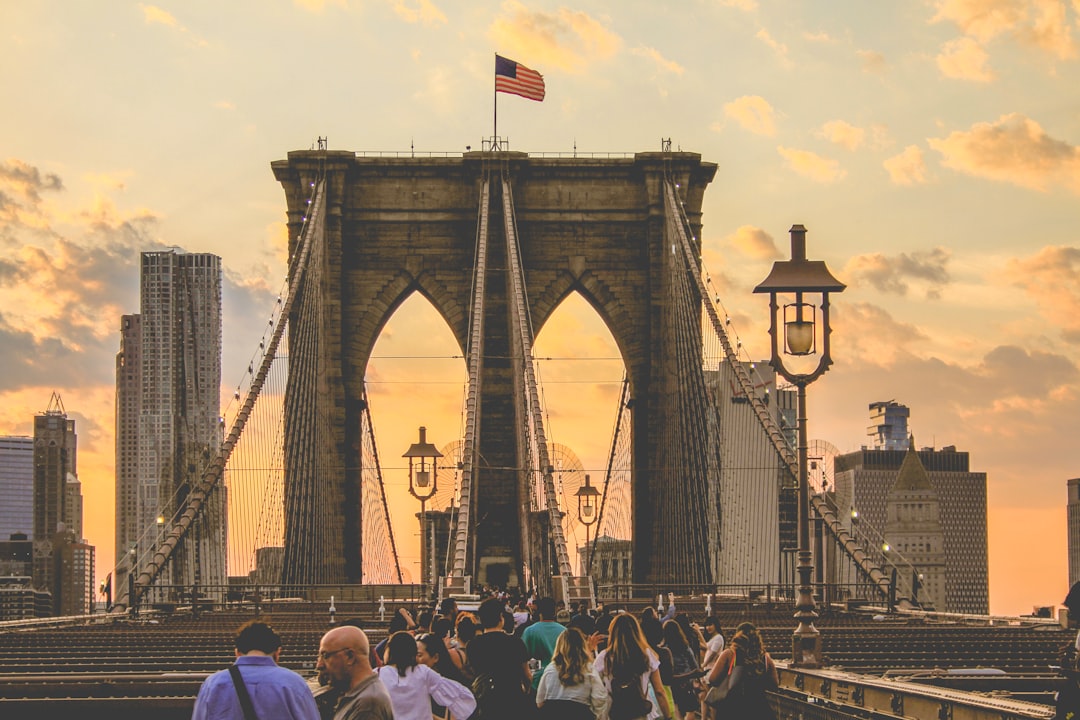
(524,327)
(475,354)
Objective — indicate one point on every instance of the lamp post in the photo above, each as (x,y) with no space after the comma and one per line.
(796,279)
(157,539)
(587,516)
(423,468)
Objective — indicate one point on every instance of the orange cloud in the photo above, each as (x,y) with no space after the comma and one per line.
(153,14)
(778,47)
(566,39)
(1012,149)
(1039,23)
(1052,278)
(811,165)
(754,243)
(894,274)
(317,6)
(661,62)
(907,168)
(745,5)
(965,59)
(983,19)
(425,12)
(868,333)
(754,113)
(873,63)
(843,134)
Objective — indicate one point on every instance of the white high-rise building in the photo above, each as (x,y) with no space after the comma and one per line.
(177,387)
(16,486)
(752,528)
(128,404)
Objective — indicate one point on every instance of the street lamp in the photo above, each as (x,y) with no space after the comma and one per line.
(587,516)
(157,539)
(423,468)
(805,280)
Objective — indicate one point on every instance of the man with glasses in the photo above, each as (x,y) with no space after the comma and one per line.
(344,662)
(257,681)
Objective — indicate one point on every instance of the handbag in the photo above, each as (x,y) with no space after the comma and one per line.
(729,688)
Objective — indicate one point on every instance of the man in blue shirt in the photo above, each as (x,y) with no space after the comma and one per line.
(276,692)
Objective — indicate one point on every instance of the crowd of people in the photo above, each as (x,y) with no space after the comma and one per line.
(512,659)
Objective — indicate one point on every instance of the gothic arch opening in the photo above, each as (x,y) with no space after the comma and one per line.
(580,370)
(415,377)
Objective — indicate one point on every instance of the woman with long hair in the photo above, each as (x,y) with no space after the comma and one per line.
(627,658)
(413,686)
(570,688)
(758,675)
(431,651)
(402,619)
(441,628)
(653,630)
(685,670)
(466,628)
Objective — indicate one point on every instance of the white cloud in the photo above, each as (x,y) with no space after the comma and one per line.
(754,113)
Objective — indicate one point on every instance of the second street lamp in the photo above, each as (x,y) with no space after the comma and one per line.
(423,471)
(588,514)
(804,280)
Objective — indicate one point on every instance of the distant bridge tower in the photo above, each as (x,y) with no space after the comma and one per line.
(399,225)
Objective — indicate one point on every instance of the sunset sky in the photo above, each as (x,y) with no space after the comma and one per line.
(931,147)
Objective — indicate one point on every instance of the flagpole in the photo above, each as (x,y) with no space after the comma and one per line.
(495,104)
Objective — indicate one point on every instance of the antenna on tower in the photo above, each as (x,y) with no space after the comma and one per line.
(56,405)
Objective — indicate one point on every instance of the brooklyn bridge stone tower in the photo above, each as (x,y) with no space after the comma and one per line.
(394,226)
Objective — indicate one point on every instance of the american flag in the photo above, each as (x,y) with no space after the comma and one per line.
(516,79)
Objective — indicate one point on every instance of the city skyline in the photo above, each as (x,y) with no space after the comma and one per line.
(931,149)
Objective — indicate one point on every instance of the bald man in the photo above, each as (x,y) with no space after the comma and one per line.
(343,660)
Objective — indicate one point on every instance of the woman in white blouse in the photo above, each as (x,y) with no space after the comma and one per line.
(570,686)
(412,686)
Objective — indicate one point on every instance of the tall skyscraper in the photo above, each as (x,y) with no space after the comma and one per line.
(128,405)
(961,495)
(1074,530)
(16,486)
(63,560)
(178,356)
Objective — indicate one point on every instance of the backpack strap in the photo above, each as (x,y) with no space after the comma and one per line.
(242,693)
